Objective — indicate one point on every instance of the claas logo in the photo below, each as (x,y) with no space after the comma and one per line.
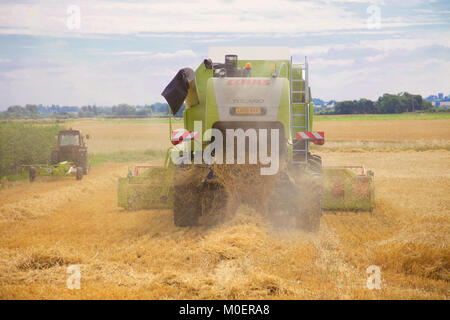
(248,82)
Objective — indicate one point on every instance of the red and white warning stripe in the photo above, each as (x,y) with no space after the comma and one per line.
(316,137)
(180,135)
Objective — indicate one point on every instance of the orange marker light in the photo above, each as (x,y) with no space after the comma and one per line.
(248,65)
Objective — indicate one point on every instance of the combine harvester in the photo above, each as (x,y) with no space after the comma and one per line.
(257,89)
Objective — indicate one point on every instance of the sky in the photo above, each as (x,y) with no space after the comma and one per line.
(106,52)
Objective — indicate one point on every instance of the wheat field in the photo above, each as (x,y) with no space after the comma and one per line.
(48,225)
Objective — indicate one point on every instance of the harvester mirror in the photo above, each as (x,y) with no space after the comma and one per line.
(208,63)
(177,90)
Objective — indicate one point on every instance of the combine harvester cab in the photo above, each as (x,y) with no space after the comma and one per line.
(263,90)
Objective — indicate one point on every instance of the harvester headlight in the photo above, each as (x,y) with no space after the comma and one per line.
(222,73)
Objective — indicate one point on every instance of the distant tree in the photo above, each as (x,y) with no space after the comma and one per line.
(32,109)
(366,106)
(124,110)
(347,107)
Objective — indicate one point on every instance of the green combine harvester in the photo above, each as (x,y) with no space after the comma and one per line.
(243,104)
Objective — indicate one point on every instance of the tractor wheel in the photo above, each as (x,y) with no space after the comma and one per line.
(79,173)
(87,169)
(32,174)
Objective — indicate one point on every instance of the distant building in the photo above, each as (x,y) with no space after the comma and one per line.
(439,100)
(444,104)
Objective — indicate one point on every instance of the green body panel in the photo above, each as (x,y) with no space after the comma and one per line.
(207,112)
(284,112)
(122,186)
(211,112)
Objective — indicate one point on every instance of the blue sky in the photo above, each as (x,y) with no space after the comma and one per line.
(126,51)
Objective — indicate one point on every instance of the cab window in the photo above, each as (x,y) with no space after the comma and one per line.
(69,140)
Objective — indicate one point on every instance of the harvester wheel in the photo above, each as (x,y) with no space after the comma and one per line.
(310,202)
(186,205)
(87,169)
(32,174)
(216,205)
(315,163)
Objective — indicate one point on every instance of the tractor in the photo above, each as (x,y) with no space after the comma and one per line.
(68,158)
(71,147)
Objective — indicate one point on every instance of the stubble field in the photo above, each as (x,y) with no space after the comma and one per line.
(48,225)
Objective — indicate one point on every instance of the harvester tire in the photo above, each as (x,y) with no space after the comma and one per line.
(315,163)
(186,205)
(311,203)
(216,205)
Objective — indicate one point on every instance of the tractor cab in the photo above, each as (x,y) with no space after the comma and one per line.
(71,147)
(70,138)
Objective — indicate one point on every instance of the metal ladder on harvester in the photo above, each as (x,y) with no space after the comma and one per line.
(299,110)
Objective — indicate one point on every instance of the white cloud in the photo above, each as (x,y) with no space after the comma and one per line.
(123,17)
(322,63)
(377,57)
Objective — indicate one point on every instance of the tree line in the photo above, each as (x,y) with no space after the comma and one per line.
(120,111)
(24,143)
(388,103)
